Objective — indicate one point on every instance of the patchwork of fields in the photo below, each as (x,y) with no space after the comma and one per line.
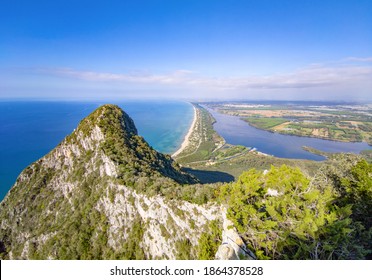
(348,123)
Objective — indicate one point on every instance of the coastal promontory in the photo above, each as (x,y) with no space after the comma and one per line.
(105,193)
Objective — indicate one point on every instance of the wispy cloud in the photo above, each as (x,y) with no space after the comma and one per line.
(359,59)
(176,77)
(346,79)
(312,76)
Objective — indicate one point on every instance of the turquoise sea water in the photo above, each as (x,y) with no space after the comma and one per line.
(29,130)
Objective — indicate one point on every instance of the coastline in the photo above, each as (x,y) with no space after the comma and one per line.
(186,140)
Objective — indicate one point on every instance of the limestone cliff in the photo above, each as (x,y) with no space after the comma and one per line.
(104,193)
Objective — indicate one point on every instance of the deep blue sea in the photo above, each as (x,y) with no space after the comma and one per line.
(29,130)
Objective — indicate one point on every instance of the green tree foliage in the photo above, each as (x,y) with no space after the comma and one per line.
(72,224)
(132,154)
(281,215)
(132,249)
(184,249)
(355,189)
(350,176)
(209,241)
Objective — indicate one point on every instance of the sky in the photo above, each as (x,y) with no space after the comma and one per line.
(186,49)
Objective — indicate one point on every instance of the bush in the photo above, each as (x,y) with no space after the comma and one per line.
(281,216)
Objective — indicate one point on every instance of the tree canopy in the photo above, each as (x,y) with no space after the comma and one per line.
(281,214)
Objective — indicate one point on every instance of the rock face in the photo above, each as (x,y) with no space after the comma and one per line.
(233,246)
(96,196)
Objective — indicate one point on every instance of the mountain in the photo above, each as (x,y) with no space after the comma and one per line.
(104,193)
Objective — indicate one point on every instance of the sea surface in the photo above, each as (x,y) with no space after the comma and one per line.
(29,130)
(238,132)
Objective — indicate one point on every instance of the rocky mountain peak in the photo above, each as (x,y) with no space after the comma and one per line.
(104,193)
(111,131)
(109,118)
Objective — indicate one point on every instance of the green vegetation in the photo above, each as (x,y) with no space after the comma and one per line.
(367,154)
(284,215)
(324,130)
(140,166)
(228,151)
(132,249)
(265,123)
(207,152)
(235,166)
(348,123)
(76,231)
(226,161)
(356,189)
(131,152)
(71,223)
(203,140)
(209,241)
(316,151)
(294,210)
(185,250)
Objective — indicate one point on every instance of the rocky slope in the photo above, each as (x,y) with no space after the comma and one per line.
(104,193)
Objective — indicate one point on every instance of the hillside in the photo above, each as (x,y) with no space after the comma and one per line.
(96,196)
(104,193)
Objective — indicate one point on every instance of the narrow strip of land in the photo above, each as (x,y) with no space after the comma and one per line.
(207,155)
(186,141)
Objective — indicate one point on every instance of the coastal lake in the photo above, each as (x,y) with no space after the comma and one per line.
(238,132)
(29,130)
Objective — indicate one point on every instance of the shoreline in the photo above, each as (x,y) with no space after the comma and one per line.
(186,140)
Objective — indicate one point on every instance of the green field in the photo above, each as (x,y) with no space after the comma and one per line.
(347,123)
(210,159)
(264,123)
(334,131)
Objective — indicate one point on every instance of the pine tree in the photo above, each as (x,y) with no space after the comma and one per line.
(281,215)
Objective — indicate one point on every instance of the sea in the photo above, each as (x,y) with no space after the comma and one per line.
(29,130)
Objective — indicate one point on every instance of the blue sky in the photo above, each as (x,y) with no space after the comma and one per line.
(206,49)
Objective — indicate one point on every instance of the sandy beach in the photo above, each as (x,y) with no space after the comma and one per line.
(185,142)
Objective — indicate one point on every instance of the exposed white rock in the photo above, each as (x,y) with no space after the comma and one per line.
(233,246)
(108,167)
(167,221)
(226,252)
(272,192)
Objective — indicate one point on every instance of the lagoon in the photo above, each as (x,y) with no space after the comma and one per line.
(238,132)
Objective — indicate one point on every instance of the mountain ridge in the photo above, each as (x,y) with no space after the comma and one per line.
(104,193)
(98,195)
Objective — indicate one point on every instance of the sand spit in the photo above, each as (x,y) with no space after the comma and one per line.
(186,141)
